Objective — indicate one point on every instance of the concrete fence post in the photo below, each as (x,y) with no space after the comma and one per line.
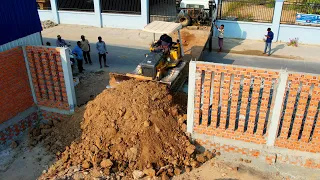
(191,95)
(25,55)
(277,18)
(54,9)
(145,11)
(277,108)
(97,13)
(68,78)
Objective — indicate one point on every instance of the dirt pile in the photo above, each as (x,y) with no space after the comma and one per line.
(131,130)
(48,24)
(56,135)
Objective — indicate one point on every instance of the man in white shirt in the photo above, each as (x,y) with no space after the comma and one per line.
(220,36)
(102,50)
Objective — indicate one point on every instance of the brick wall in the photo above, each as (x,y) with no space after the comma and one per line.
(15,92)
(236,103)
(47,77)
(300,125)
(221,102)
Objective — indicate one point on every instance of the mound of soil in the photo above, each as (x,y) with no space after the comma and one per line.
(135,128)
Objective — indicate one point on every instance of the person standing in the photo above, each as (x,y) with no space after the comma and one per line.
(77,51)
(102,50)
(61,42)
(220,36)
(85,46)
(269,39)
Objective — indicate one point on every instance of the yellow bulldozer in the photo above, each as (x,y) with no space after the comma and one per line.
(159,64)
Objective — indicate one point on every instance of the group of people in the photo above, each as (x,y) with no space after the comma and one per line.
(268,39)
(82,51)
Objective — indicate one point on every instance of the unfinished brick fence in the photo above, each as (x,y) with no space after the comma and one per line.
(35,83)
(260,113)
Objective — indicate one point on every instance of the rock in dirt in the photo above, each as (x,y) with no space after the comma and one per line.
(149,172)
(208,154)
(146,123)
(177,171)
(14,145)
(78,176)
(164,176)
(201,158)
(188,169)
(190,149)
(106,163)
(86,164)
(137,174)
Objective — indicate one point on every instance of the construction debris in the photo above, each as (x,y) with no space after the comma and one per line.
(48,24)
(126,133)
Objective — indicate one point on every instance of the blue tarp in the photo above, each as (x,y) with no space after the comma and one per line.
(18,18)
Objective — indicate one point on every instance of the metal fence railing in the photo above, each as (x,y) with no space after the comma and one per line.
(121,6)
(162,10)
(44,4)
(246,10)
(107,6)
(75,5)
(290,10)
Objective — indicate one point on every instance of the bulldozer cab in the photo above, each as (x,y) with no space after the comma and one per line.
(175,52)
(160,64)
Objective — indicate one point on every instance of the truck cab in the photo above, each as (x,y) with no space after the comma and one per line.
(204,4)
(199,4)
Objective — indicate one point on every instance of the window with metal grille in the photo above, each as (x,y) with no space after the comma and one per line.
(121,6)
(76,5)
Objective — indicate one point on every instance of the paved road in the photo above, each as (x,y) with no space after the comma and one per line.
(263,62)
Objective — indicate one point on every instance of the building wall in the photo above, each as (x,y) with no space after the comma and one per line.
(273,113)
(82,18)
(31,40)
(256,31)
(244,30)
(45,15)
(96,18)
(123,21)
(306,35)
(15,89)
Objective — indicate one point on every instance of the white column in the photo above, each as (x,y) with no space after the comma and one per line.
(276,19)
(191,94)
(54,9)
(97,12)
(29,74)
(145,11)
(68,77)
(277,108)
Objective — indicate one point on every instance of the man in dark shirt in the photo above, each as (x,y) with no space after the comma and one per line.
(61,42)
(165,42)
(269,39)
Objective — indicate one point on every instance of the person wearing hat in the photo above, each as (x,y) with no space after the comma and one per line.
(85,46)
(102,50)
(61,42)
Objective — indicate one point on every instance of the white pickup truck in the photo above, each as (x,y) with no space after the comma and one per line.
(204,4)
